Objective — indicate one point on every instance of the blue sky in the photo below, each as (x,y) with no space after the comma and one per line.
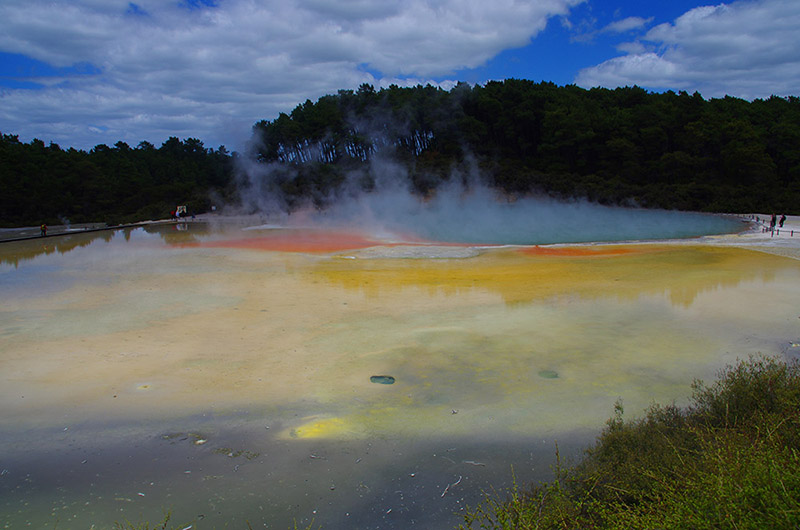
(559,52)
(84,72)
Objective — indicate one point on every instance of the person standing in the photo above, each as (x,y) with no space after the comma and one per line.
(783,220)
(43,229)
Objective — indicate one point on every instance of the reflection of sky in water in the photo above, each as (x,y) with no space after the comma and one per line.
(123,341)
(34,281)
(42,269)
(42,266)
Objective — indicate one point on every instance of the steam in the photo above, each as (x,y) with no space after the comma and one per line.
(479,216)
(462,210)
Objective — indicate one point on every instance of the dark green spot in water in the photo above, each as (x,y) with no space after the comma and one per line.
(382,379)
(548,374)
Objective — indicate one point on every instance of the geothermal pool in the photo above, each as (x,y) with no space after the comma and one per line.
(226,375)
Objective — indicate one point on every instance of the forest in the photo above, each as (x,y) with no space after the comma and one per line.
(624,146)
(47,184)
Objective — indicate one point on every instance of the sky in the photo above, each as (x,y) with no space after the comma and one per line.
(85,72)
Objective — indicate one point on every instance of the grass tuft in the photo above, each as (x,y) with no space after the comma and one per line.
(731,459)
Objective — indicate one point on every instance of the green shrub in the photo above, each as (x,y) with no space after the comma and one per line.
(729,460)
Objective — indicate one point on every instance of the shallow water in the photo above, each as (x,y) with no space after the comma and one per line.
(476,215)
(226,375)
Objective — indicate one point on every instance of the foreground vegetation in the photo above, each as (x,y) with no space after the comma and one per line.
(731,459)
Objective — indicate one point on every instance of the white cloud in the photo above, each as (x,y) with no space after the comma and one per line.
(633,48)
(627,24)
(649,69)
(746,49)
(168,70)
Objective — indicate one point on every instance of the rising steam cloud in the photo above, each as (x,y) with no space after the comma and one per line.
(480,216)
(463,210)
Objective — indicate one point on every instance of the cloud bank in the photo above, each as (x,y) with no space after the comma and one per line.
(150,69)
(154,69)
(746,49)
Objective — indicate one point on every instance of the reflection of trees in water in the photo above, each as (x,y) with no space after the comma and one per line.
(14,253)
(179,233)
(684,296)
(681,274)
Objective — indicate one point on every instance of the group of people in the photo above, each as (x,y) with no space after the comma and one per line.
(775,220)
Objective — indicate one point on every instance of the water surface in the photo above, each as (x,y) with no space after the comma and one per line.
(226,375)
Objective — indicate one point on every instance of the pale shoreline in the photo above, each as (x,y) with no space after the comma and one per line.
(783,241)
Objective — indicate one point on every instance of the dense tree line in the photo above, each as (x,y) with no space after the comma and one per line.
(622,146)
(45,183)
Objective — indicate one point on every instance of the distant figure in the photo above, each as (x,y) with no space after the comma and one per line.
(43,229)
(783,219)
(772,222)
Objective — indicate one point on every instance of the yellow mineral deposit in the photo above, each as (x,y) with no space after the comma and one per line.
(519,340)
(233,375)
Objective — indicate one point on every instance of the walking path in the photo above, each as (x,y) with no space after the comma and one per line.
(34,232)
